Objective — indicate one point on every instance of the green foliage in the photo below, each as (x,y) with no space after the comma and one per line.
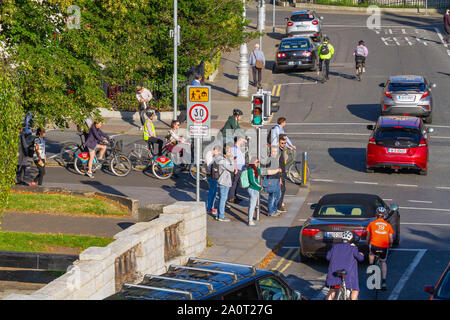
(10,120)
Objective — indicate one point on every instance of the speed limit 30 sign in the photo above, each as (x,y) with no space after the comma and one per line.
(198,109)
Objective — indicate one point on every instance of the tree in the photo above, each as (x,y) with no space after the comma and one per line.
(10,120)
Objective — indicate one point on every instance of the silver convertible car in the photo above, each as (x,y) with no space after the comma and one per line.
(407,96)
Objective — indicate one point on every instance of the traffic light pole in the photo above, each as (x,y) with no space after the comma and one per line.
(258,152)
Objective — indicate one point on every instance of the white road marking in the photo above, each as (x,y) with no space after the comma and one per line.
(407,40)
(401,283)
(407,185)
(445,188)
(331,133)
(364,182)
(395,39)
(322,180)
(420,201)
(440,36)
(425,209)
(292,83)
(425,224)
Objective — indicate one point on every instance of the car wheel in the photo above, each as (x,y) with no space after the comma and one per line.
(423,172)
(428,119)
(275,69)
(304,258)
(396,241)
(370,170)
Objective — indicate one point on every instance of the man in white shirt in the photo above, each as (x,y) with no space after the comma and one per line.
(277,130)
(143,95)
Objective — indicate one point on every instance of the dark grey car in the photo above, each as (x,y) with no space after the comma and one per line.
(407,95)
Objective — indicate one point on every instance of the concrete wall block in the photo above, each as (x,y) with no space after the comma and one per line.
(185,207)
(195,224)
(169,219)
(134,229)
(95,253)
(58,289)
(121,245)
(106,291)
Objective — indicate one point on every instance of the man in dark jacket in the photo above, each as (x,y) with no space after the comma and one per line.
(229,130)
(447,25)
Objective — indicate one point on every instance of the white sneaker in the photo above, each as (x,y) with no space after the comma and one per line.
(364,69)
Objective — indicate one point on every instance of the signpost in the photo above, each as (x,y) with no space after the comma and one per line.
(198,121)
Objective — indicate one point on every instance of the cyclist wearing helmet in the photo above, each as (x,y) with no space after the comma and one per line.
(344,256)
(149,134)
(231,127)
(326,51)
(360,54)
(380,237)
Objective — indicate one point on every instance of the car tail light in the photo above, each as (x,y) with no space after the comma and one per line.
(315,22)
(289,23)
(360,232)
(423,143)
(406,114)
(372,141)
(281,55)
(385,106)
(425,94)
(310,231)
(307,54)
(388,94)
(428,107)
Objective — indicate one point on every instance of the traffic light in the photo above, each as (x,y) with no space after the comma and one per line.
(257,110)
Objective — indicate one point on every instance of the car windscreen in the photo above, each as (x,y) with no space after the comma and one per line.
(294,44)
(393,87)
(407,137)
(302,17)
(342,211)
(444,289)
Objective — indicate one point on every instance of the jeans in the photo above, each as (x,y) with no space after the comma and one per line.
(282,193)
(223,195)
(257,78)
(40,177)
(211,194)
(152,141)
(233,189)
(272,201)
(252,205)
(327,66)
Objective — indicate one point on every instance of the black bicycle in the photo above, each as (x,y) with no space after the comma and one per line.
(142,158)
(69,149)
(342,292)
(359,69)
(377,262)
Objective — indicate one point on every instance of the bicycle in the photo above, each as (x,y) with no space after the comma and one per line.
(118,163)
(69,149)
(203,170)
(359,69)
(377,262)
(343,293)
(142,158)
(294,169)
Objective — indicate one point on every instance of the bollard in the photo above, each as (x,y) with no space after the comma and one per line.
(305,167)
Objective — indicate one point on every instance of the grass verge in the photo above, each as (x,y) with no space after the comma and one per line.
(48,243)
(25,202)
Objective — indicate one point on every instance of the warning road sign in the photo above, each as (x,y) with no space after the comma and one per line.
(198,94)
(198,111)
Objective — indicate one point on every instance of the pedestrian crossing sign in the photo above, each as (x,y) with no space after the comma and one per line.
(198,94)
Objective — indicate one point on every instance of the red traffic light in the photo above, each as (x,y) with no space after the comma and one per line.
(257,101)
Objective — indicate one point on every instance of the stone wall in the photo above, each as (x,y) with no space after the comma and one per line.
(138,250)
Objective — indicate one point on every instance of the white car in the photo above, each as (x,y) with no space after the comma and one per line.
(304,23)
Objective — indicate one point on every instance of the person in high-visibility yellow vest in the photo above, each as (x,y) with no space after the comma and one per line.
(149,134)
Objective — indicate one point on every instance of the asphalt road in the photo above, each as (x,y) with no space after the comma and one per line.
(329,122)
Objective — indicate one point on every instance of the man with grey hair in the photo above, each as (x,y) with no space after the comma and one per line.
(143,95)
(257,61)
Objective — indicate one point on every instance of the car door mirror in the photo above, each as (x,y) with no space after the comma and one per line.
(313,206)
(321,18)
(394,208)
(430,130)
(429,289)
(433,85)
(286,19)
(277,46)
(382,85)
(297,295)
(370,127)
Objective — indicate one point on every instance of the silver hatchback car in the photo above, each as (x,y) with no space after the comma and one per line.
(304,23)
(407,95)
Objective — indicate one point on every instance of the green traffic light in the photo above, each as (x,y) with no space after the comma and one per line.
(257,120)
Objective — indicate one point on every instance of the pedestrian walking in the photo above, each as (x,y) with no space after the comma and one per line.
(239,164)
(277,130)
(39,157)
(257,61)
(272,183)
(224,182)
(254,172)
(282,163)
(447,26)
(23,159)
(211,157)
(197,81)
(143,95)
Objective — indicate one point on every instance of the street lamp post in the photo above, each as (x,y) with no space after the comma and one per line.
(273,15)
(243,73)
(175,33)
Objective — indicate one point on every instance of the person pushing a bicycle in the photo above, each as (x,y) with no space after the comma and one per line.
(379,238)
(149,134)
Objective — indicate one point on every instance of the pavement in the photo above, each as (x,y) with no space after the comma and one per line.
(230,241)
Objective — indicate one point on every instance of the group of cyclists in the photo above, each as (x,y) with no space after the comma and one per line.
(326,51)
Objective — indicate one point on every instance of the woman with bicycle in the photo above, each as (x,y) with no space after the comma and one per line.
(360,54)
(96,140)
(344,256)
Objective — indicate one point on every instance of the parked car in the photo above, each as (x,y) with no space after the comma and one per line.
(442,290)
(407,96)
(305,23)
(204,279)
(398,142)
(295,53)
(339,212)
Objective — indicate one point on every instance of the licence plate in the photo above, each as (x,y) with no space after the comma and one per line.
(333,235)
(405,98)
(392,150)
(291,63)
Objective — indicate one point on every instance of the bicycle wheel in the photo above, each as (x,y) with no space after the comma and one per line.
(120,165)
(193,171)
(67,154)
(295,172)
(80,167)
(160,172)
(342,293)
(138,162)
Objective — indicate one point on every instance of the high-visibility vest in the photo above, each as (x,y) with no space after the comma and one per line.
(147,133)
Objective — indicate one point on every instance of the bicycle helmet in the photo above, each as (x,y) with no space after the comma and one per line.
(149,113)
(326,38)
(361,42)
(347,236)
(381,211)
(237,112)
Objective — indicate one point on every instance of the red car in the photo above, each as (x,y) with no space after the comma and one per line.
(398,142)
(442,290)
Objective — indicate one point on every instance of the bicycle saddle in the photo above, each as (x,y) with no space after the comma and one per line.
(340,273)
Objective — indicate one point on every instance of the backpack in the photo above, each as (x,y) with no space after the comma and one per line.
(214,173)
(269,135)
(31,149)
(324,49)
(245,183)
(360,51)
